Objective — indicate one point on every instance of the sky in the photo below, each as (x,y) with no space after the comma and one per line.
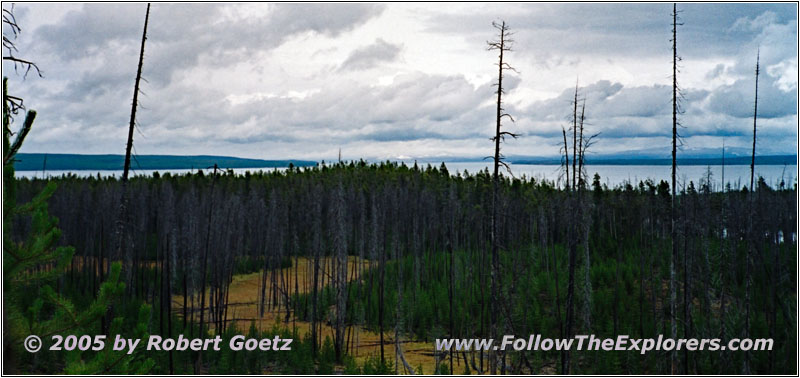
(403,80)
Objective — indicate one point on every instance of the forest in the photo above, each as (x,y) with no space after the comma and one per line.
(424,233)
(366,264)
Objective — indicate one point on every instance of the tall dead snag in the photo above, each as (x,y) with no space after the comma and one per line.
(575,207)
(204,268)
(566,158)
(583,221)
(122,215)
(123,206)
(673,233)
(450,227)
(316,247)
(755,118)
(382,274)
(750,236)
(135,103)
(503,44)
(339,242)
(574,134)
(723,361)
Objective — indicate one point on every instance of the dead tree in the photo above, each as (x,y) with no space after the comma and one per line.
(577,224)
(451,269)
(755,118)
(583,144)
(122,213)
(574,134)
(135,103)
(502,45)
(315,246)
(204,268)
(123,208)
(566,158)
(673,230)
(750,236)
(339,241)
(10,47)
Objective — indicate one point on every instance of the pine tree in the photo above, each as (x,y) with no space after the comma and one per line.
(32,265)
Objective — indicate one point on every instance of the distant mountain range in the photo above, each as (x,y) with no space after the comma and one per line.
(78,162)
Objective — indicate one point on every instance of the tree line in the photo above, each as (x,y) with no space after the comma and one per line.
(190,234)
(448,255)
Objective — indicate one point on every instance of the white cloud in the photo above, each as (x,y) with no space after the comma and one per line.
(302,80)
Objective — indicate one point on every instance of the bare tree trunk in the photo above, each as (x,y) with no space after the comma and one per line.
(566,158)
(574,134)
(315,246)
(169,308)
(204,268)
(503,45)
(723,265)
(123,207)
(450,288)
(750,235)
(567,328)
(122,215)
(583,144)
(382,278)
(135,103)
(673,232)
(755,118)
(340,250)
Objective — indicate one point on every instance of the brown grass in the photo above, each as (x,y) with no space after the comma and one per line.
(244,307)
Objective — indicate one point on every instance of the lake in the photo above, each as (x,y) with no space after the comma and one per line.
(611,175)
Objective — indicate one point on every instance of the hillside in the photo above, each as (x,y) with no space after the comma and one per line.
(77,162)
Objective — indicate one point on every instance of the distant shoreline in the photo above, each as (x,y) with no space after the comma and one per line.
(736,160)
(80,162)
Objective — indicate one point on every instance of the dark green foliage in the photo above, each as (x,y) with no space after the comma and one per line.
(263,219)
(373,366)
(33,263)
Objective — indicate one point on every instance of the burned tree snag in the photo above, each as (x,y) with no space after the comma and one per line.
(566,158)
(673,232)
(129,146)
(135,103)
(574,135)
(204,267)
(755,118)
(502,45)
(750,235)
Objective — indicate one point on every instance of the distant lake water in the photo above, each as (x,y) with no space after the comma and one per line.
(611,175)
(614,175)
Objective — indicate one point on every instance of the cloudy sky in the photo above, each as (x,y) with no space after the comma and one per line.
(401,80)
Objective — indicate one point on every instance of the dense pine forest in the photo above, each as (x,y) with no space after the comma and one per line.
(424,232)
(364,265)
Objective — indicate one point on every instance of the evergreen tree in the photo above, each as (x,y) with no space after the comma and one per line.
(32,266)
